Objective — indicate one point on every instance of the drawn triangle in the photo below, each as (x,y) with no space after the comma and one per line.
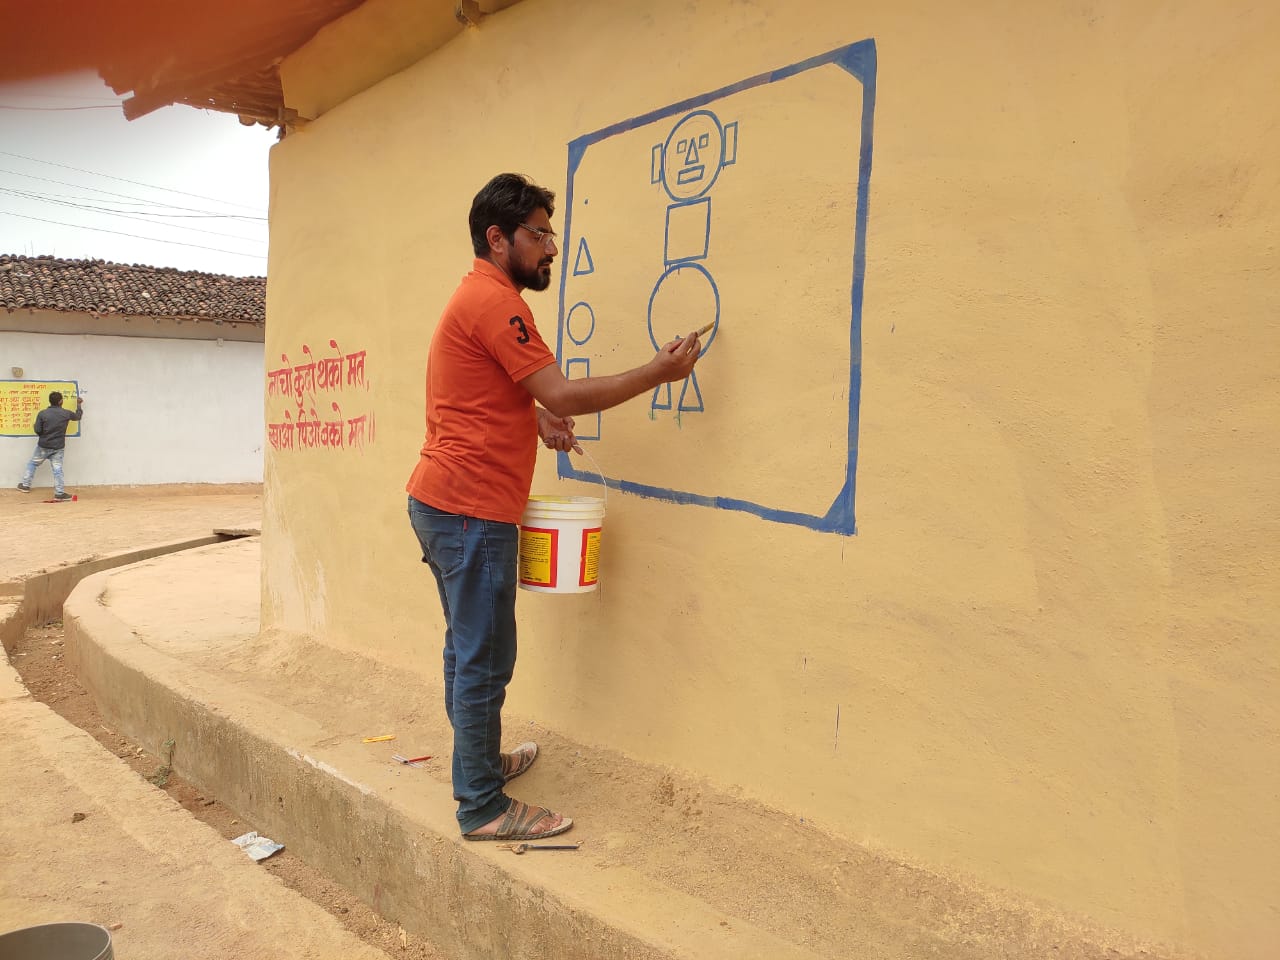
(687,406)
(583,264)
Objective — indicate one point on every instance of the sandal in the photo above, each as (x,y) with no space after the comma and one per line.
(518,824)
(518,761)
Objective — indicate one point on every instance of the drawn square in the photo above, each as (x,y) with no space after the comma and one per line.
(576,369)
(688,231)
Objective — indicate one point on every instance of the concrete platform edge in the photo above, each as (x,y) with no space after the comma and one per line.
(43,594)
(403,858)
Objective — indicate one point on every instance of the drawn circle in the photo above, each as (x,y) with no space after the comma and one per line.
(684,298)
(581,328)
(698,164)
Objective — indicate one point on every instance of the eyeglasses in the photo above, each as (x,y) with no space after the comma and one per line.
(548,237)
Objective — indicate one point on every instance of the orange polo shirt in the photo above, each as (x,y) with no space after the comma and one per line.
(482,433)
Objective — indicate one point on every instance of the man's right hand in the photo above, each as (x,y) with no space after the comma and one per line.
(676,359)
(569,398)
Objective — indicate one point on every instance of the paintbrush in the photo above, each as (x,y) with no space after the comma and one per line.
(699,333)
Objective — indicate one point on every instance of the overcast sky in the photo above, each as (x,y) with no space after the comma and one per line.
(177,188)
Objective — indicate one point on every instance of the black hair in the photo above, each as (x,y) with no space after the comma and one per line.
(55,398)
(507,200)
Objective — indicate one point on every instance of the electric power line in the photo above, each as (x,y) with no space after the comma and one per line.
(62,96)
(131,214)
(136,183)
(55,197)
(135,215)
(103,106)
(119,233)
(125,196)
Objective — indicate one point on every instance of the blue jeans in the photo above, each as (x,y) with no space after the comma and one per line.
(476,566)
(55,461)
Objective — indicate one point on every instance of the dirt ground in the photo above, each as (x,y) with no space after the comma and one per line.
(774,873)
(39,662)
(40,537)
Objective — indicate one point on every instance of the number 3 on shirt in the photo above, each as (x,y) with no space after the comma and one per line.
(524,334)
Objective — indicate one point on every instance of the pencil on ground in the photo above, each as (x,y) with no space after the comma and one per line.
(399,759)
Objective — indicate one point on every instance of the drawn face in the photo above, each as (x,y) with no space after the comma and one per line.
(692,156)
(531,257)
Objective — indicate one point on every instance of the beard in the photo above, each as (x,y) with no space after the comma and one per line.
(538,278)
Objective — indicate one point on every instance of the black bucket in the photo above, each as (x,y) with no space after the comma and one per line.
(57,941)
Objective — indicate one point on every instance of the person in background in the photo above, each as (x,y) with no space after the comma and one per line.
(486,367)
(51,432)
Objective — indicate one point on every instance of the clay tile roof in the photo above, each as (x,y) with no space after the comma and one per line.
(102,288)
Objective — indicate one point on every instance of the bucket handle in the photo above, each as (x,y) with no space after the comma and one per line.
(604,481)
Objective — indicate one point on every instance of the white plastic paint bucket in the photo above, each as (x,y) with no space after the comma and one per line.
(560,544)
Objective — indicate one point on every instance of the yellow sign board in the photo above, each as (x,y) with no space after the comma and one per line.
(21,400)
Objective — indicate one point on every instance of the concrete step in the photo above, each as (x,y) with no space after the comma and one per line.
(669,866)
(86,839)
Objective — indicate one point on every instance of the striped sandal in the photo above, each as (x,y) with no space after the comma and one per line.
(518,761)
(518,823)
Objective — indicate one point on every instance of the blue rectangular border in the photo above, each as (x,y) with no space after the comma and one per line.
(859,60)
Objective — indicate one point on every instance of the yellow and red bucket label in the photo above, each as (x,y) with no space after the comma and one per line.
(589,568)
(539,556)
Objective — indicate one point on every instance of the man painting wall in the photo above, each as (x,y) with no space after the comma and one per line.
(486,368)
(51,431)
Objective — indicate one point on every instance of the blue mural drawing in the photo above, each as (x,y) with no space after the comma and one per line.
(582,265)
(687,165)
(676,218)
(659,319)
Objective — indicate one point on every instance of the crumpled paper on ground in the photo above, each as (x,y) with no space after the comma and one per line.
(258,848)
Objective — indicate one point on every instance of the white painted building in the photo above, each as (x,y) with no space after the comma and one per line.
(169,362)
